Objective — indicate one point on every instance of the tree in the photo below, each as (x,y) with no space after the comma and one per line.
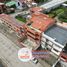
(65,12)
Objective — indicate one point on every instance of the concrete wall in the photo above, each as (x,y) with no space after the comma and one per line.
(48,42)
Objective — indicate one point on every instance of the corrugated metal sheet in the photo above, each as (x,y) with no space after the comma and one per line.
(57,33)
(52,4)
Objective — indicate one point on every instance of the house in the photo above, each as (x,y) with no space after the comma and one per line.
(2,8)
(21,4)
(11,4)
(36,25)
(54,39)
(11,23)
(35,9)
(25,3)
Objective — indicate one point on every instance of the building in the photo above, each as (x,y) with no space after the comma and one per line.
(54,39)
(36,25)
(2,8)
(4,1)
(42,30)
(22,3)
(52,4)
(35,9)
(11,23)
(19,29)
(11,4)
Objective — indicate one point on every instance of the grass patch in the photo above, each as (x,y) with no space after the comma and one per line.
(21,19)
(62,17)
(56,12)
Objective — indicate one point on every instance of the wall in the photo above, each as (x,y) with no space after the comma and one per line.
(48,42)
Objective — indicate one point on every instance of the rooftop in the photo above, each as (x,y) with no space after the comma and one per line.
(41,21)
(10,19)
(11,3)
(36,9)
(1,3)
(52,3)
(59,33)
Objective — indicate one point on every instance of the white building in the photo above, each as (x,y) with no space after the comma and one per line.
(52,4)
(54,39)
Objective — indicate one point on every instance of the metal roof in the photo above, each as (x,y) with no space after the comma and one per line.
(57,33)
(52,3)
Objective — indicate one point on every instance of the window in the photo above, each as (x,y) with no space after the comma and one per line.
(55,50)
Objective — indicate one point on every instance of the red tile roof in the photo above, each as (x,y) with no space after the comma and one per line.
(36,9)
(41,21)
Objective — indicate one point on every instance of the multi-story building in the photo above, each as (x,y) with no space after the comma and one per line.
(52,4)
(54,39)
(23,3)
(36,25)
(11,23)
(42,30)
(2,8)
(35,9)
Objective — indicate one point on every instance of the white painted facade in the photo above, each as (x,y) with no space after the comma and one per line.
(51,44)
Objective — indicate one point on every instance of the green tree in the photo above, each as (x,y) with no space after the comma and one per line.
(65,12)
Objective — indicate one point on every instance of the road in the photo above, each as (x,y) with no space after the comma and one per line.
(8,53)
(8,43)
(9,49)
